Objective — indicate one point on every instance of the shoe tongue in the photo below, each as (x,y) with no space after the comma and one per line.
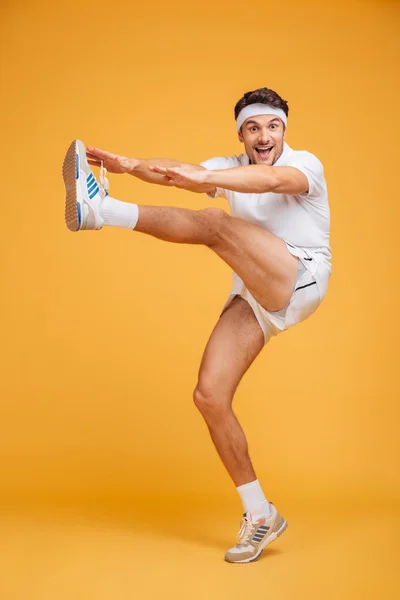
(250,517)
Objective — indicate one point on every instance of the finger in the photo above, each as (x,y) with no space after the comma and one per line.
(157,169)
(167,179)
(173,172)
(95,163)
(98,153)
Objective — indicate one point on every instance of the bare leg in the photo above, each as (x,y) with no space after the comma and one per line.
(234,344)
(268,270)
(259,257)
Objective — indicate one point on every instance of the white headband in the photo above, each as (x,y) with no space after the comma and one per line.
(253,110)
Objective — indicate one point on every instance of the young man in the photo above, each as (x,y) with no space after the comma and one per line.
(276,240)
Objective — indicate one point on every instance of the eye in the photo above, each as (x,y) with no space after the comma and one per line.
(273,125)
(253,128)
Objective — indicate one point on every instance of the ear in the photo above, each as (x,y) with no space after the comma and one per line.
(240,136)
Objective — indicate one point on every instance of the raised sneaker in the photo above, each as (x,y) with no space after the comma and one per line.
(84,194)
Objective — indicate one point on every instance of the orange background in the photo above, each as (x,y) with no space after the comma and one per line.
(103,332)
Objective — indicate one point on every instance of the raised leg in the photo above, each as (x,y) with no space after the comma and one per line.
(234,344)
(259,257)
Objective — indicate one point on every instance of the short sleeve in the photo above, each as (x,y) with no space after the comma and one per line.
(312,168)
(216,164)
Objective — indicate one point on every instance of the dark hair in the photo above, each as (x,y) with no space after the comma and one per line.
(262,96)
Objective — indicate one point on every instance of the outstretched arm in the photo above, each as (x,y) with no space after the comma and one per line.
(141,168)
(253,179)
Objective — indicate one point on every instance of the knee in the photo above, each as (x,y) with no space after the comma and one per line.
(209,402)
(202,398)
(216,221)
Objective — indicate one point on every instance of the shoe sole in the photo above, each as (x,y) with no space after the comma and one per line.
(69,172)
(269,539)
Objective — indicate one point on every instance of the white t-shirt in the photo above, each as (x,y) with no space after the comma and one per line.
(301,220)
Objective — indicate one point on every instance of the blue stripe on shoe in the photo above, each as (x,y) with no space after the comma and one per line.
(78,208)
(90,178)
(92,186)
(94,192)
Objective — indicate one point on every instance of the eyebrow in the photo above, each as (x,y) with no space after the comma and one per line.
(257,123)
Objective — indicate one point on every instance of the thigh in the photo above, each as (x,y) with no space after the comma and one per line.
(235,342)
(260,258)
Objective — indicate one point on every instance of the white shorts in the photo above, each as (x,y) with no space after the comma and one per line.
(310,288)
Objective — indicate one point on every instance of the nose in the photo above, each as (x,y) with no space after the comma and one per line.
(264,136)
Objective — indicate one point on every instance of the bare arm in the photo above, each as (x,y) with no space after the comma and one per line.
(139,167)
(253,179)
(142,168)
(258,179)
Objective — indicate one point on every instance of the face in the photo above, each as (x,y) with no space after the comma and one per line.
(262,137)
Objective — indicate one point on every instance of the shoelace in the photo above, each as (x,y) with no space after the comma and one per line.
(104,184)
(245,532)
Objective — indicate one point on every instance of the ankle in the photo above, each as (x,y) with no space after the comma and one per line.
(253,499)
(119,214)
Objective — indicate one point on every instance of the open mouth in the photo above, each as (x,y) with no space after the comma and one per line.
(264,152)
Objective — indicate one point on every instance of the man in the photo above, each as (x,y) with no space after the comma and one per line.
(276,240)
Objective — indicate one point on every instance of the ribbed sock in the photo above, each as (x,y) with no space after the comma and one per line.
(254,500)
(119,214)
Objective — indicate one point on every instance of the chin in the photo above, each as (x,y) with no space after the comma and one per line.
(266,162)
(259,161)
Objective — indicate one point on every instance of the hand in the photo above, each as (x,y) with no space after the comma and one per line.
(112,162)
(186,176)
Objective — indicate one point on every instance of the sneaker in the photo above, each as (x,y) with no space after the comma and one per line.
(253,537)
(84,194)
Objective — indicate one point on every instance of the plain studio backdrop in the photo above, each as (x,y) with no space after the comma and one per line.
(103,332)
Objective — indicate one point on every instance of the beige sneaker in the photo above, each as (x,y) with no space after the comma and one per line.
(84,194)
(253,537)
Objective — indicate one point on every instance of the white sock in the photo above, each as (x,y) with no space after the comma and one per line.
(254,500)
(119,214)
